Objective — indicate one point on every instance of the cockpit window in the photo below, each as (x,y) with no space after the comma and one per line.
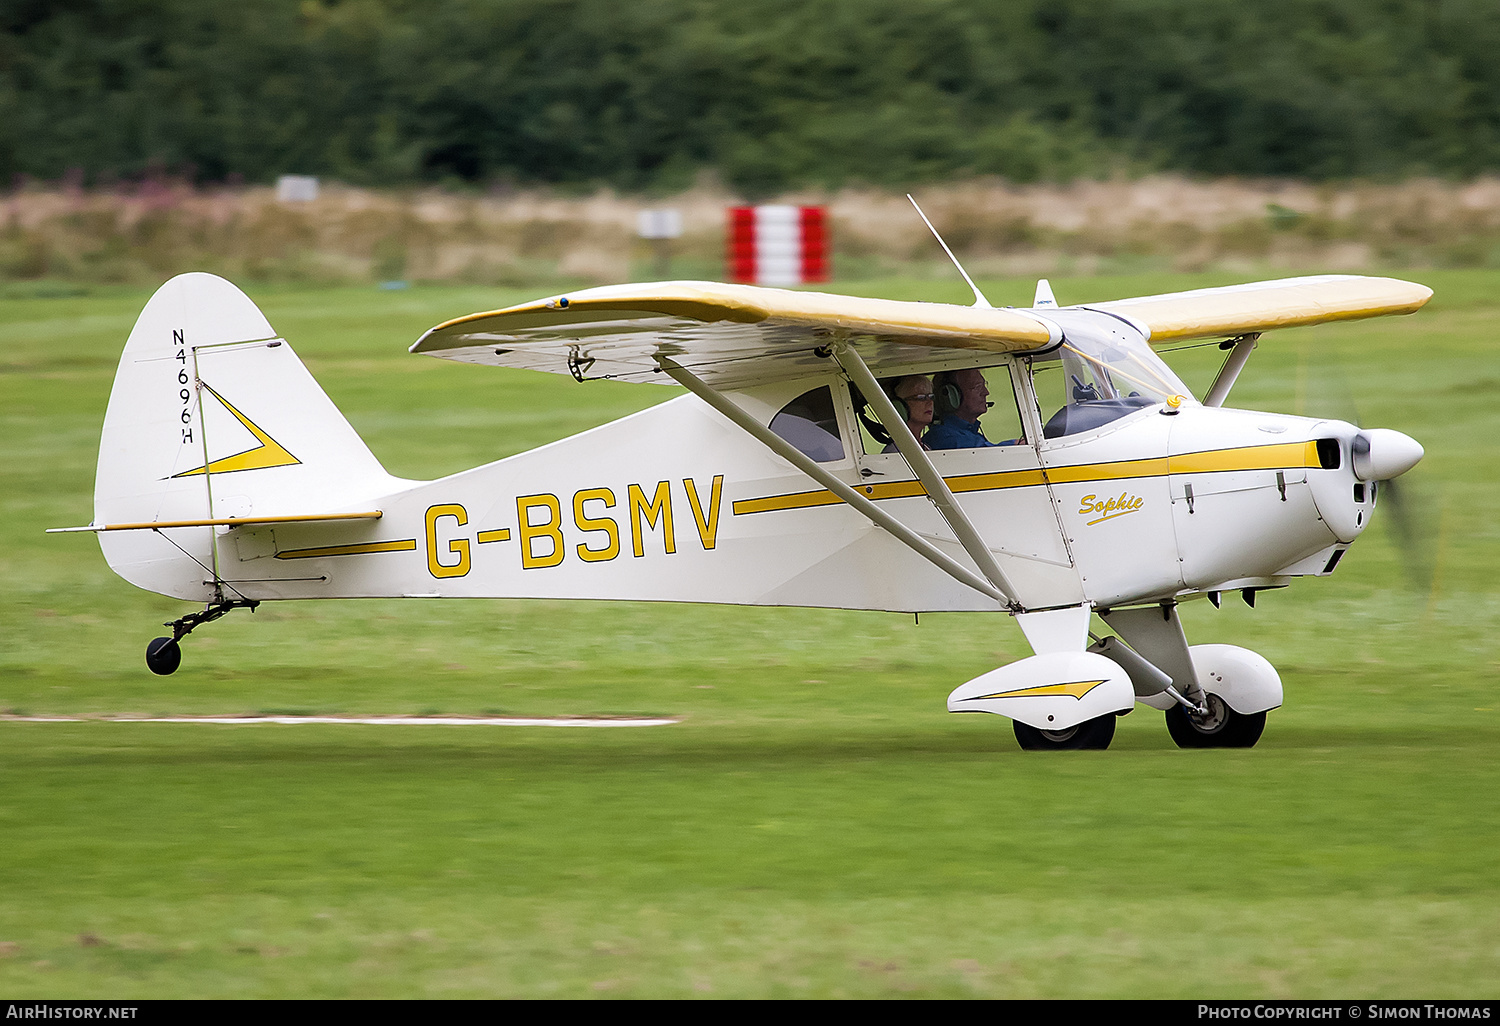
(965,409)
(810,423)
(1097,376)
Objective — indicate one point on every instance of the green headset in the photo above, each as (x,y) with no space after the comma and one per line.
(866,417)
(900,403)
(947,397)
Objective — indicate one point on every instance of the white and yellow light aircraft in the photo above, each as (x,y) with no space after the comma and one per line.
(785,477)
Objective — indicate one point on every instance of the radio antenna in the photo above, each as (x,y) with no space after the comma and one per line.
(979,299)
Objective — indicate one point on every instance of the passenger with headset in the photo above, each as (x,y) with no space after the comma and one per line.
(962,398)
(912,396)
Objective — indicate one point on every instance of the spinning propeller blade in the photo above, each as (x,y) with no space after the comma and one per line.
(1410,509)
(1414,520)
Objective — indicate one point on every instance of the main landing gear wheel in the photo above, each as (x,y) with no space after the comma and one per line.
(1095,733)
(163,656)
(1221,727)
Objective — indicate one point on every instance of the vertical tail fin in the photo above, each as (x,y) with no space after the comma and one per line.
(213,416)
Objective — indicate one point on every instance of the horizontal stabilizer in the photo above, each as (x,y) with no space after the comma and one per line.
(159,525)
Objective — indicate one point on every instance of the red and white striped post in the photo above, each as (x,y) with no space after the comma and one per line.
(777,245)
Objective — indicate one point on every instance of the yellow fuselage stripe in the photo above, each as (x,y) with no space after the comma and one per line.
(1282,456)
(405,545)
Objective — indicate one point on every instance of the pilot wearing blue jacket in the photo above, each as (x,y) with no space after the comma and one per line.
(962,398)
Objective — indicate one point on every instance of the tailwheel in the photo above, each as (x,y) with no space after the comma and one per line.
(1219,727)
(1096,734)
(163,656)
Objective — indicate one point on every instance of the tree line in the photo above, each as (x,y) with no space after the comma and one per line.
(771,94)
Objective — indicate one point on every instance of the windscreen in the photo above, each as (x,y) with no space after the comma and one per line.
(1102,371)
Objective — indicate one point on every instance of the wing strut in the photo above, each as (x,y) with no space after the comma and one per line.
(937,489)
(798,459)
(1239,352)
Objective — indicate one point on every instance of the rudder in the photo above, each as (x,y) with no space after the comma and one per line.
(211,416)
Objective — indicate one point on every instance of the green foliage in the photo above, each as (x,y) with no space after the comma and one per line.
(773,93)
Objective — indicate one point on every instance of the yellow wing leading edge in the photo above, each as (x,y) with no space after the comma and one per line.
(1265,305)
(739,335)
(726,334)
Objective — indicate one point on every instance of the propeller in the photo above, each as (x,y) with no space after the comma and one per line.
(1409,506)
(1414,530)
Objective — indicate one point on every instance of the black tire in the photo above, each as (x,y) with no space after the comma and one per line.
(1090,734)
(1222,728)
(163,656)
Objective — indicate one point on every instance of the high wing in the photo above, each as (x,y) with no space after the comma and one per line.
(731,336)
(1263,305)
(736,336)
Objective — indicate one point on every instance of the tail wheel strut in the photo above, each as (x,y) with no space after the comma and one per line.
(164,655)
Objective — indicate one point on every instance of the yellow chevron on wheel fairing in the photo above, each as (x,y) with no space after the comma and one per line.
(1075,689)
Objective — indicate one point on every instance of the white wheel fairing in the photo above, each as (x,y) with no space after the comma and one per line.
(1246,680)
(1052,692)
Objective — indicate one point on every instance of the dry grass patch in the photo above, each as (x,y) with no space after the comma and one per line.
(143,232)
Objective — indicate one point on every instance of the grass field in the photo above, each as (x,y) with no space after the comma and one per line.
(816,824)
